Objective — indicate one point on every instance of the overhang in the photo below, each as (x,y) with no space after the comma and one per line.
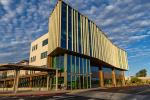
(4,67)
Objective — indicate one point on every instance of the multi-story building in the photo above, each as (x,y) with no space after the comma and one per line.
(76,45)
(38,51)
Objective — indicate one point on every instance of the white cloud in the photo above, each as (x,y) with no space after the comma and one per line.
(121,20)
(21,25)
(6,54)
(5,2)
(19,9)
(138,37)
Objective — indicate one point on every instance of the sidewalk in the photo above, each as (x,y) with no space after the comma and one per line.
(45,93)
(34,93)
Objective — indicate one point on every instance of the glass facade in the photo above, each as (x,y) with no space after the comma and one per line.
(63,25)
(95,76)
(107,74)
(118,77)
(58,63)
(81,35)
(84,38)
(79,32)
(78,72)
(69,29)
(81,74)
(90,38)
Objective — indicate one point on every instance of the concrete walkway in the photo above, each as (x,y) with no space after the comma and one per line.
(34,93)
(122,93)
(44,93)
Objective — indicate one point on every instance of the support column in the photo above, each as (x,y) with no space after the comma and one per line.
(49,61)
(56,79)
(65,72)
(4,86)
(122,78)
(90,80)
(48,82)
(101,78)
(113,77)
(30,82)
(16,80)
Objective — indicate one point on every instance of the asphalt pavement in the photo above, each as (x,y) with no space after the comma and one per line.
(62,97)
(121,93)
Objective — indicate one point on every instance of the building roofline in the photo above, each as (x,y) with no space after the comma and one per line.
(39,37)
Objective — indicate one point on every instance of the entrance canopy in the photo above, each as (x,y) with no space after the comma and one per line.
(4,67)
(18,67)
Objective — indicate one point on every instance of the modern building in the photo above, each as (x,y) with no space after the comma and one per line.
(77,49)
(76,45)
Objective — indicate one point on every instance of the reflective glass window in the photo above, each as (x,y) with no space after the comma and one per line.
(95,76)
(45,42)
(81,65)
(77,65)
(84,66)
(107,74)
(79,33)
(69,29)
(63,26)
(118,77)
(69,64)
(73,65)
(90,37)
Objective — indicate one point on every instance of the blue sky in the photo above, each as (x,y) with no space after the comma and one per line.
(126,22)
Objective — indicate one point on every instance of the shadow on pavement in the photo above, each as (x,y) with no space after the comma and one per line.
(63,97)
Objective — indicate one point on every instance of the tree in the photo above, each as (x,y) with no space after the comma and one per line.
(141,73)
(135,80)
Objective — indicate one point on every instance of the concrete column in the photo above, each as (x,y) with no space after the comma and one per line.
(16,81)
(4,86)
(122,78)
(49,61)
(113,77)
(56,79)
(90,81)
(101,78)
(48,82)
(65,71)
(30,81)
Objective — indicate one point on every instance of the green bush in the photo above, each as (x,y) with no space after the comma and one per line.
(135,80)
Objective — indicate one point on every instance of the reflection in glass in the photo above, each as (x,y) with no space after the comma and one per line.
(63,26)
(118,77)
(78,65)
(107,73)
(69,29)
(95,76)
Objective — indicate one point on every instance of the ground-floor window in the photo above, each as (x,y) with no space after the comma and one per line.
(118,77)
(78,72)
(95,76)
(107,74)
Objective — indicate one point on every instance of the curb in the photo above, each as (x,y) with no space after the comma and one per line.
(34,94)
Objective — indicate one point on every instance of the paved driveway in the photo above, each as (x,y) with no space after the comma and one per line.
(126,93)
